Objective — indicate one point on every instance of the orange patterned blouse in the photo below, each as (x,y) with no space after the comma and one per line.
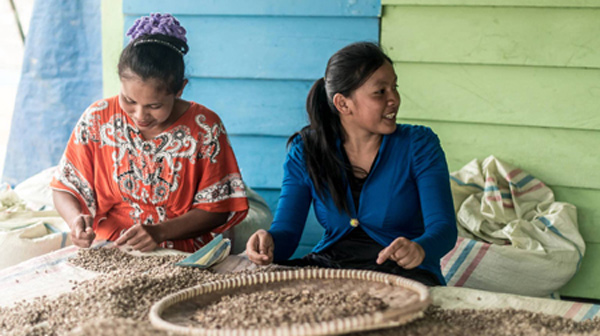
(121,179)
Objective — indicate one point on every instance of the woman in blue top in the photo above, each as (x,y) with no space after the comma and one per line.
(380,190)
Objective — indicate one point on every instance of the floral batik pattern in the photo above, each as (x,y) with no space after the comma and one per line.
(74,180)
(147,171)
(231,186)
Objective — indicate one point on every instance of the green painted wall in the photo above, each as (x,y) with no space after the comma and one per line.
(519,79)
(112,44)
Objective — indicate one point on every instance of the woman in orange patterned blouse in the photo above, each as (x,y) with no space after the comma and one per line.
(146,168)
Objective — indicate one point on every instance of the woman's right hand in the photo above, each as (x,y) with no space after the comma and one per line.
(82,234)
(259,248)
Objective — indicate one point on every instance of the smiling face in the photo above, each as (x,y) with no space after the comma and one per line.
(150,107)
(372,108)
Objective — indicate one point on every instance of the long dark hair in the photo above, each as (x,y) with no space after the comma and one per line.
(158,57)
(346,71)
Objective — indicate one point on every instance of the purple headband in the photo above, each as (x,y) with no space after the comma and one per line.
(157,23)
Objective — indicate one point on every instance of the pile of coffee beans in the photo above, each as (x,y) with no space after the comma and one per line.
(127,289)
(492,322)
(300,303)
(117,302)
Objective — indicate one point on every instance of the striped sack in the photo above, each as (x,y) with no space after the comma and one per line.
(514,238)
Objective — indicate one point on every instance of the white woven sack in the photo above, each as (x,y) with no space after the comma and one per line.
(25,233)
(36,191)
(39,236)
(519,240)
(259,217)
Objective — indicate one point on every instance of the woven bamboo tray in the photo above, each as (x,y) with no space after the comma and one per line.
(406,301)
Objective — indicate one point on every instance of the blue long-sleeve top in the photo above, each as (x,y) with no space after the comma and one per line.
(406,194)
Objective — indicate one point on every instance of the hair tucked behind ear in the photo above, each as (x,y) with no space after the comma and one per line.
(346,71)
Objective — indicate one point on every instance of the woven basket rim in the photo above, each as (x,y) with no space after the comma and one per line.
(388,318)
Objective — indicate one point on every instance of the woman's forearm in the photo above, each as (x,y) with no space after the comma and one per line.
(67,205)
(192,224)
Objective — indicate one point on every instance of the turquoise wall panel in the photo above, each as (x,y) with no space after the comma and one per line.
(268,47)
(260,158)
(253,106)
(312,8)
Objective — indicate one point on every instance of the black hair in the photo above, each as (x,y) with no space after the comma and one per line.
(347,70)
(158,57)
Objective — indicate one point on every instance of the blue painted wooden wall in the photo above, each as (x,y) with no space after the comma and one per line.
(253,63)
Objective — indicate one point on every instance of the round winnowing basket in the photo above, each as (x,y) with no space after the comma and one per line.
(406,300)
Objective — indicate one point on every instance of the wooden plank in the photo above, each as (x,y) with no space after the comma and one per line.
(260,159)
(268,47)
(585,283)
(246,106)
(256,7)
(497,3)
(493,35)
(112,30)
(587,202)
(547,97)
(556,156)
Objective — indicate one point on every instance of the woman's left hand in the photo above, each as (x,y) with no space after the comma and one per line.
(139,237)
(406,253)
